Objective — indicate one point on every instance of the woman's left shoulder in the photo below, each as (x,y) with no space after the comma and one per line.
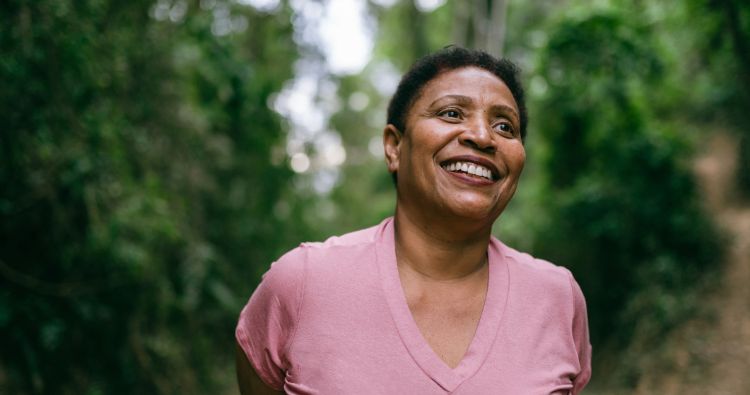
(528,268)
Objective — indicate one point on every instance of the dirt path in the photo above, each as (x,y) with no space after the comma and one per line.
(712,355)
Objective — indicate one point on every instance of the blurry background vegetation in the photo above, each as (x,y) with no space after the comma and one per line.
(157,155)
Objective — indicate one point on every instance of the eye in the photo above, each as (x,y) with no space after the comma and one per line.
(504,127)
(450,113)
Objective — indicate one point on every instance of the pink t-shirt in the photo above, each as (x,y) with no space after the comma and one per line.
(332,318)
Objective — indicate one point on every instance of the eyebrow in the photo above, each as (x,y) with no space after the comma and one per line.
(466,100)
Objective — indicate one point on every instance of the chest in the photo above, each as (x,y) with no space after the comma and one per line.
(368,348)
(447,319)
(369,334)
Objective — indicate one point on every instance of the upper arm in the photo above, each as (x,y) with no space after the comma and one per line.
(267,324)
(249,381)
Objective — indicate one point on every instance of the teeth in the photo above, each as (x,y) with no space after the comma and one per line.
(471,168)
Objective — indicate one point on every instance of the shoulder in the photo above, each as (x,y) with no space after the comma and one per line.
(290,269)
(545,291)
(540,275)
(351,239)
(340,249)
(532,266)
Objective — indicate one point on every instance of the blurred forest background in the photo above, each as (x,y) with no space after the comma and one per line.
(157,155)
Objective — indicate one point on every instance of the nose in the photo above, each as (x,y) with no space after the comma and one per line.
(479,137)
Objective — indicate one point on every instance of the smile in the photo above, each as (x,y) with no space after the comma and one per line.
(469,168)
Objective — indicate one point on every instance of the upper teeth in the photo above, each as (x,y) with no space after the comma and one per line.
(471,168)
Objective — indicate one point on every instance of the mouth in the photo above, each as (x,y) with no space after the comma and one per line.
(471,167)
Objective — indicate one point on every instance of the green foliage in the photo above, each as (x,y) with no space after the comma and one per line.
(723,43)
(623,206)
(135,191)
(406,34)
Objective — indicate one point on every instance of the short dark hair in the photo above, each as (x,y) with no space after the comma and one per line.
(450,58)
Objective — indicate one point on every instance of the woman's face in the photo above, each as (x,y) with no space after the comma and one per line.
(461,154)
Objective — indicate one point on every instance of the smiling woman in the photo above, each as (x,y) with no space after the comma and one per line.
(427,302)
(467,119)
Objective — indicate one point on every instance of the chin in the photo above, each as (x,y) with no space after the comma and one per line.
(478,213)
(478,203)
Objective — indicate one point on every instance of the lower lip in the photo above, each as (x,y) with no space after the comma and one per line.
(481,181)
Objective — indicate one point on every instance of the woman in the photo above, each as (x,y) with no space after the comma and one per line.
(427,302)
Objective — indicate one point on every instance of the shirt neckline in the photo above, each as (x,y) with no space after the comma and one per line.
(420,351)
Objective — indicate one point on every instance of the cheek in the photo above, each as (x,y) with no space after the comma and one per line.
(516,157)
(521,159)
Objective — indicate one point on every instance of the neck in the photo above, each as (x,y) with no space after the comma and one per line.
(440,252)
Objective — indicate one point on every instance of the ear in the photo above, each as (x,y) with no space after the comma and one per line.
(392,138)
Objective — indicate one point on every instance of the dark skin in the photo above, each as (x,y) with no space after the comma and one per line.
(444,216)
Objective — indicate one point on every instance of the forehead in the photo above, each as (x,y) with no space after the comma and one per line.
(473,82)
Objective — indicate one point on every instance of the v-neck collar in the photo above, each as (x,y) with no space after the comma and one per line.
(487,328)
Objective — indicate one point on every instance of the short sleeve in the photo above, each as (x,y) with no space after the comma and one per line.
(581,338)
(268,321)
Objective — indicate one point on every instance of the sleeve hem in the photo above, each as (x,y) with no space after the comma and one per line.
(242,340)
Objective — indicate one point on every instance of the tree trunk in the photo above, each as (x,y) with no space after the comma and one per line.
(480,24)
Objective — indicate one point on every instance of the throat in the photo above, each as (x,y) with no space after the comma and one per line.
(443,265)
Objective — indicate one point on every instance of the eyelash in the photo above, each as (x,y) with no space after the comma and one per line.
(459,115)
(444,112)
(510,129)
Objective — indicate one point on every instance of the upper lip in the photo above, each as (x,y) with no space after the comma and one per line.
(474,159)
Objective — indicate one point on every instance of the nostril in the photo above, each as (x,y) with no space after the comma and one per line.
(471,143)
(476,141)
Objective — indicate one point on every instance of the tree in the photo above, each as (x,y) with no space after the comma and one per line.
(623,206)
(136,186)
(481,25)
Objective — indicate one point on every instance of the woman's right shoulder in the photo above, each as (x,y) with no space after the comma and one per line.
(351,239)
(288,270)
(291,266)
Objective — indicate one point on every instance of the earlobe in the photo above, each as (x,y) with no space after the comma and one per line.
(392,146)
